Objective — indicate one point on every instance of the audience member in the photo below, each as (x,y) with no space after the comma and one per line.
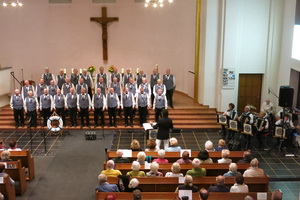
(203,156)
(135,145)
(154,170)
(175,169)
(196,171)
(141,157)
(104,186)
(174,147)
(135,172)
(225,157)
(3,174)
(247,157)
(253,170)
(2,145)
(151,146)
(232,171)
(221,145)
(161,157)
(123,183)
(5,156)
(137,195)
(219,187)
(188,184)
(184,158)
(133,185)
(276,195)
(239,185)
(120,158)
(110,171)
(203,193)
(209,146)
(13,145)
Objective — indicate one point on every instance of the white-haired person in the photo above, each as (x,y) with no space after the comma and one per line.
(135,172)
(225,157)
(232,171)
(239,185)
(175,171)
(120,158)
(161,157)
(174,147)
(133,185)
(5,156)
(188,184)
(196,171)
(110,171)
(209,146)
(104,186)
(154,170)
(254,170)
(141,157)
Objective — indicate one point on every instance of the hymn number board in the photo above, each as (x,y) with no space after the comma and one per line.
(228,78)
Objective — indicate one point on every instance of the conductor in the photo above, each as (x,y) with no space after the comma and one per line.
(164,125)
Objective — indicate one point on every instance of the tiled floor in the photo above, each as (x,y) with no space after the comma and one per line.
(289,189)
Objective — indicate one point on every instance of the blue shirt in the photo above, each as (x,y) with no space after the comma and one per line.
(173,149)
(230,173)
(106,187)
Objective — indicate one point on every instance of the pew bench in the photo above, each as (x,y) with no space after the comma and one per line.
(169,184)
(7,189)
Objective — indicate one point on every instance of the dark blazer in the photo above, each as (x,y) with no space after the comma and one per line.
(164,125)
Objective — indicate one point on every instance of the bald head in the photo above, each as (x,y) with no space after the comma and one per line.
(17,91)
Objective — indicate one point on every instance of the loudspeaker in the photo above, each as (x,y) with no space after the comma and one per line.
(286,95)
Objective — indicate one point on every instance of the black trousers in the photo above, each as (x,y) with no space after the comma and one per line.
(128,112)
(62,113)
(73,116)
(169,94)
(99,112)
(32,118)
(46,113)
(152,95)
(84,113)
(112,115)
(19,116)
(157,113)
(119,110)
(90,92)
(143,114)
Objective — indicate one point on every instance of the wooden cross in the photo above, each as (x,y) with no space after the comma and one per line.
(104,21)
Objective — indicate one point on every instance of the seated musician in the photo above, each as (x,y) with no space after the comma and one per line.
(120,158)
(261,126)
(151,145)
(254,170)
(196,171)
(141,158)
(185,158)
(288,125)
(174,147)
(239,185)
(221,145)
(188,184)
(246,118)
(225,157)
(175,171)
(232,171)
(154,170)
(104,186)
(136,170)
(161,157)
(110,171)
(5,156)
(231,114)
(203,156)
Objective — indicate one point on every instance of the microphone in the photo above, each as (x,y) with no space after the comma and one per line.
(269,90)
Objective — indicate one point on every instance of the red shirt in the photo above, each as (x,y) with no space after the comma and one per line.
(161,160)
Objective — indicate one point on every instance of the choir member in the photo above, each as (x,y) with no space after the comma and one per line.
(102,85)
(61,78)
(46,106)
(98,106)
(153,81)
(115,74)
(65,89)
(84,104)
(74,77)
(88,81)
(81,85)
(71,106)
(52,88)
(160,102)
(47,76)
(31,107)
(142,104)
(101,74)
(127,104)
(117,89)
(26,88)
(40,89)
(126,76)
(169,82)
(59,105)
(17,105)
(158,86)
(113,104)
(146,86)
(139,77)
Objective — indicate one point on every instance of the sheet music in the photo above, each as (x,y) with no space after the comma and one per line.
(188,193)
(147,126)
(127,152)
(261,196)
(1,180)
(180,179)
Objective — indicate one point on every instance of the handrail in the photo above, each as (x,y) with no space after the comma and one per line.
(13,75)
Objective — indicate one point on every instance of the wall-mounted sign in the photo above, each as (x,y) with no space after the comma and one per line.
(228,78)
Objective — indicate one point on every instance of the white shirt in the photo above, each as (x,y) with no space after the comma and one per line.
(268,108)
(171,174)
(254,172)
(239,188)
(224,160)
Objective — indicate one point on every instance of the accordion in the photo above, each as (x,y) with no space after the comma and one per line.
(260,123)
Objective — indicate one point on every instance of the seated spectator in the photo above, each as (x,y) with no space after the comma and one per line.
(221,145)
(175,171)
(123,183)
(120,158)
(203,193)
(253,170)
(104,186)
(141,157)
(225,157)
(135,170)
(232,171)
(161,157)
(13,145)
(133,185)
(174,147)
(5,156)
(3,174)
(239,185)
(247,157)
(276,195)
(219,187)
(154,170)
(184,158)
(209,146)
(110,171)
(196,171)
(137,195)
(188,184)
(203,156)
(2,145)
(135,145)
(151,146)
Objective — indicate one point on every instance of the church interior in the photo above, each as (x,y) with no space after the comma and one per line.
(230,71)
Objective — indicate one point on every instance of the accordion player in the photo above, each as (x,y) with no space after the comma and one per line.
(261,126)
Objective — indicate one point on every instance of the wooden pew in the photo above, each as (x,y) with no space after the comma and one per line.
(172,195)
(7,189)
(169,184)
(174,156)
(26,160)
(17,173)
(213,169)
